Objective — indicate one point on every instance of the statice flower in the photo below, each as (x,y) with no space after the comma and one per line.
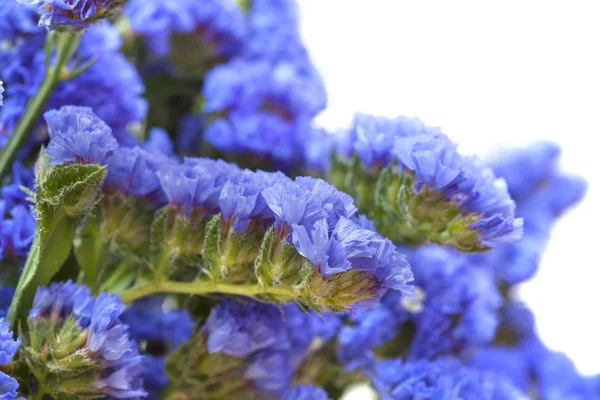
(265,98)
(132,170)
(116,97)
(305,392)
(6,295)
(1,91)
(521,357)
(17,19)
(196,183)
(12,193)
(8,348)
(543,193)
(269,342)
(73,13)
(69,309)
(219,24)
(455,309)
(159,330)
(77,135)
(418,189)
(445,378)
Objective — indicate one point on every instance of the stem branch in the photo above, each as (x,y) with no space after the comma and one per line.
(202,288)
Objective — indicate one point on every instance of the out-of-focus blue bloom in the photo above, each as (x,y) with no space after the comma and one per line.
(8,387)
(454,310)
(159,142)
(543,195)
(220,24)
(8,346)
(370,328)
(241,328)
(444,378)
(17,20)
(189,135)
(116,97)
(1,91)
(149,322)
(524,168)
(305,392)
(12,193)
(120,369)
(75,13)
(6,295)
(273,341)
(77,135)
(16,232)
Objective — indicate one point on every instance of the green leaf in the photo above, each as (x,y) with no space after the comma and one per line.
(64,196)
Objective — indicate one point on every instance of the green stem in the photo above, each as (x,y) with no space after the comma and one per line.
(67,44)
(202,288)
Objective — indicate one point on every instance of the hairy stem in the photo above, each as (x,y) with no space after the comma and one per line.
(202,288)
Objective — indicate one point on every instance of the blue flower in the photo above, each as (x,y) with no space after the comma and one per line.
(16,233)
(524,168)
(12,193)
(373,138)
(221,24)
(241,199)
(8,346)
(161,330)
(116,97)
(119,365)
(270,341)
(241,328)
(1,91)
(369,328)
(8,387)
(133,170)
(305,392)
(148,320)
(17,20)
(196,183)
(307,200)
(6,295)
(444,378)
(77,135)
(75,13)
(159,142)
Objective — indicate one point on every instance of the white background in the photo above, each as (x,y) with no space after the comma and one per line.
(488,73)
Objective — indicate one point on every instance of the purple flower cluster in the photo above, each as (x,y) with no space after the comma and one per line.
(74,13)
(272,340)
(445,378)
(219,24)
(8,348)
(115,97)
(17,222)
(432,158)
(159,330)
(542,194)
(119,368)
(454,310)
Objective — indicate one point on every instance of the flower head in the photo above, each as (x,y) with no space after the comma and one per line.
(117,364)
(77,135)
(74,13)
